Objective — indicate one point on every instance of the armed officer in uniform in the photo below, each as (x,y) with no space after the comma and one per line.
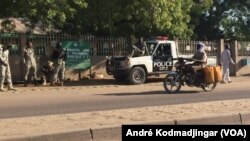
(59,56)
(30,63)
(5,68)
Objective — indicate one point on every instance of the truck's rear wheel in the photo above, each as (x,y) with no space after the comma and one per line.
(137,75)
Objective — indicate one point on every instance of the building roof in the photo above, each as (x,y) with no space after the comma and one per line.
(20,27)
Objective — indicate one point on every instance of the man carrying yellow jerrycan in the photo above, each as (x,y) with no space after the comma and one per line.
(212,73)
(196,74)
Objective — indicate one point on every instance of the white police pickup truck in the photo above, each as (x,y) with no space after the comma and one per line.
(157,58)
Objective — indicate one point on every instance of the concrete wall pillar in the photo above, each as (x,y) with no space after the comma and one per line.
(235,58)
(23,40)
(220,49)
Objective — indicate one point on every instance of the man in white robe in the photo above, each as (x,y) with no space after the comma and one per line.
(226,59)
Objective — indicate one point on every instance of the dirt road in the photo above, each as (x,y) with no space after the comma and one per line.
(61,123)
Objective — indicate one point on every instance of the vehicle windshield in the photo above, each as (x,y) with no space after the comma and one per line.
(151,47)
(147,51)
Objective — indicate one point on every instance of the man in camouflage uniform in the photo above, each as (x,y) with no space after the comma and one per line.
(59,56)
(30,63)
(5,68)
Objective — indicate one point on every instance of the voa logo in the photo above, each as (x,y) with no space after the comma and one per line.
(233,132)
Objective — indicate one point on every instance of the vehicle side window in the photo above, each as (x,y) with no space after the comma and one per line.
(151,48)
(159,51)
(166,49)
(163,50)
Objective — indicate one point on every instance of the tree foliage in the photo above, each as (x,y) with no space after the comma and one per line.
(46,13)
(106,17)
(225,19)
(135,17)
(197,19)
(151,17)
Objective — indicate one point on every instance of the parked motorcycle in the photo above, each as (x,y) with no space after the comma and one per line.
(182,76)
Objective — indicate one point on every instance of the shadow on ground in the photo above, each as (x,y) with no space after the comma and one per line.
(110,81)
(246,74)
(150,93)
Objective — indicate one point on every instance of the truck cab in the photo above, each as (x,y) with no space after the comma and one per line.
(158,57)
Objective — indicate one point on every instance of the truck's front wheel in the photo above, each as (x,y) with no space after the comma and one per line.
(137,75)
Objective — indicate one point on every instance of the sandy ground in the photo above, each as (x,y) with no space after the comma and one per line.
(30,126)
(40,125)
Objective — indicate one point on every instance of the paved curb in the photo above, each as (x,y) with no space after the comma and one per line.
(114,133)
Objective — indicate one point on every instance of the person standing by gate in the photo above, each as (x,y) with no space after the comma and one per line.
(30,63)
(226,59)
(59,56)
(5,68)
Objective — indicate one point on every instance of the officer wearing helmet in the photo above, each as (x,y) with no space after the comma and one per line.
(5,68)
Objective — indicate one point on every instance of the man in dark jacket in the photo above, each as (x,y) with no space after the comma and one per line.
(59,57)
(139,47)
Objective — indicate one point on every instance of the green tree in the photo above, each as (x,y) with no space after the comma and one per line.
(47,13)
(199,8)
(154,17)
(225,19)
(136,17)
(174,18)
